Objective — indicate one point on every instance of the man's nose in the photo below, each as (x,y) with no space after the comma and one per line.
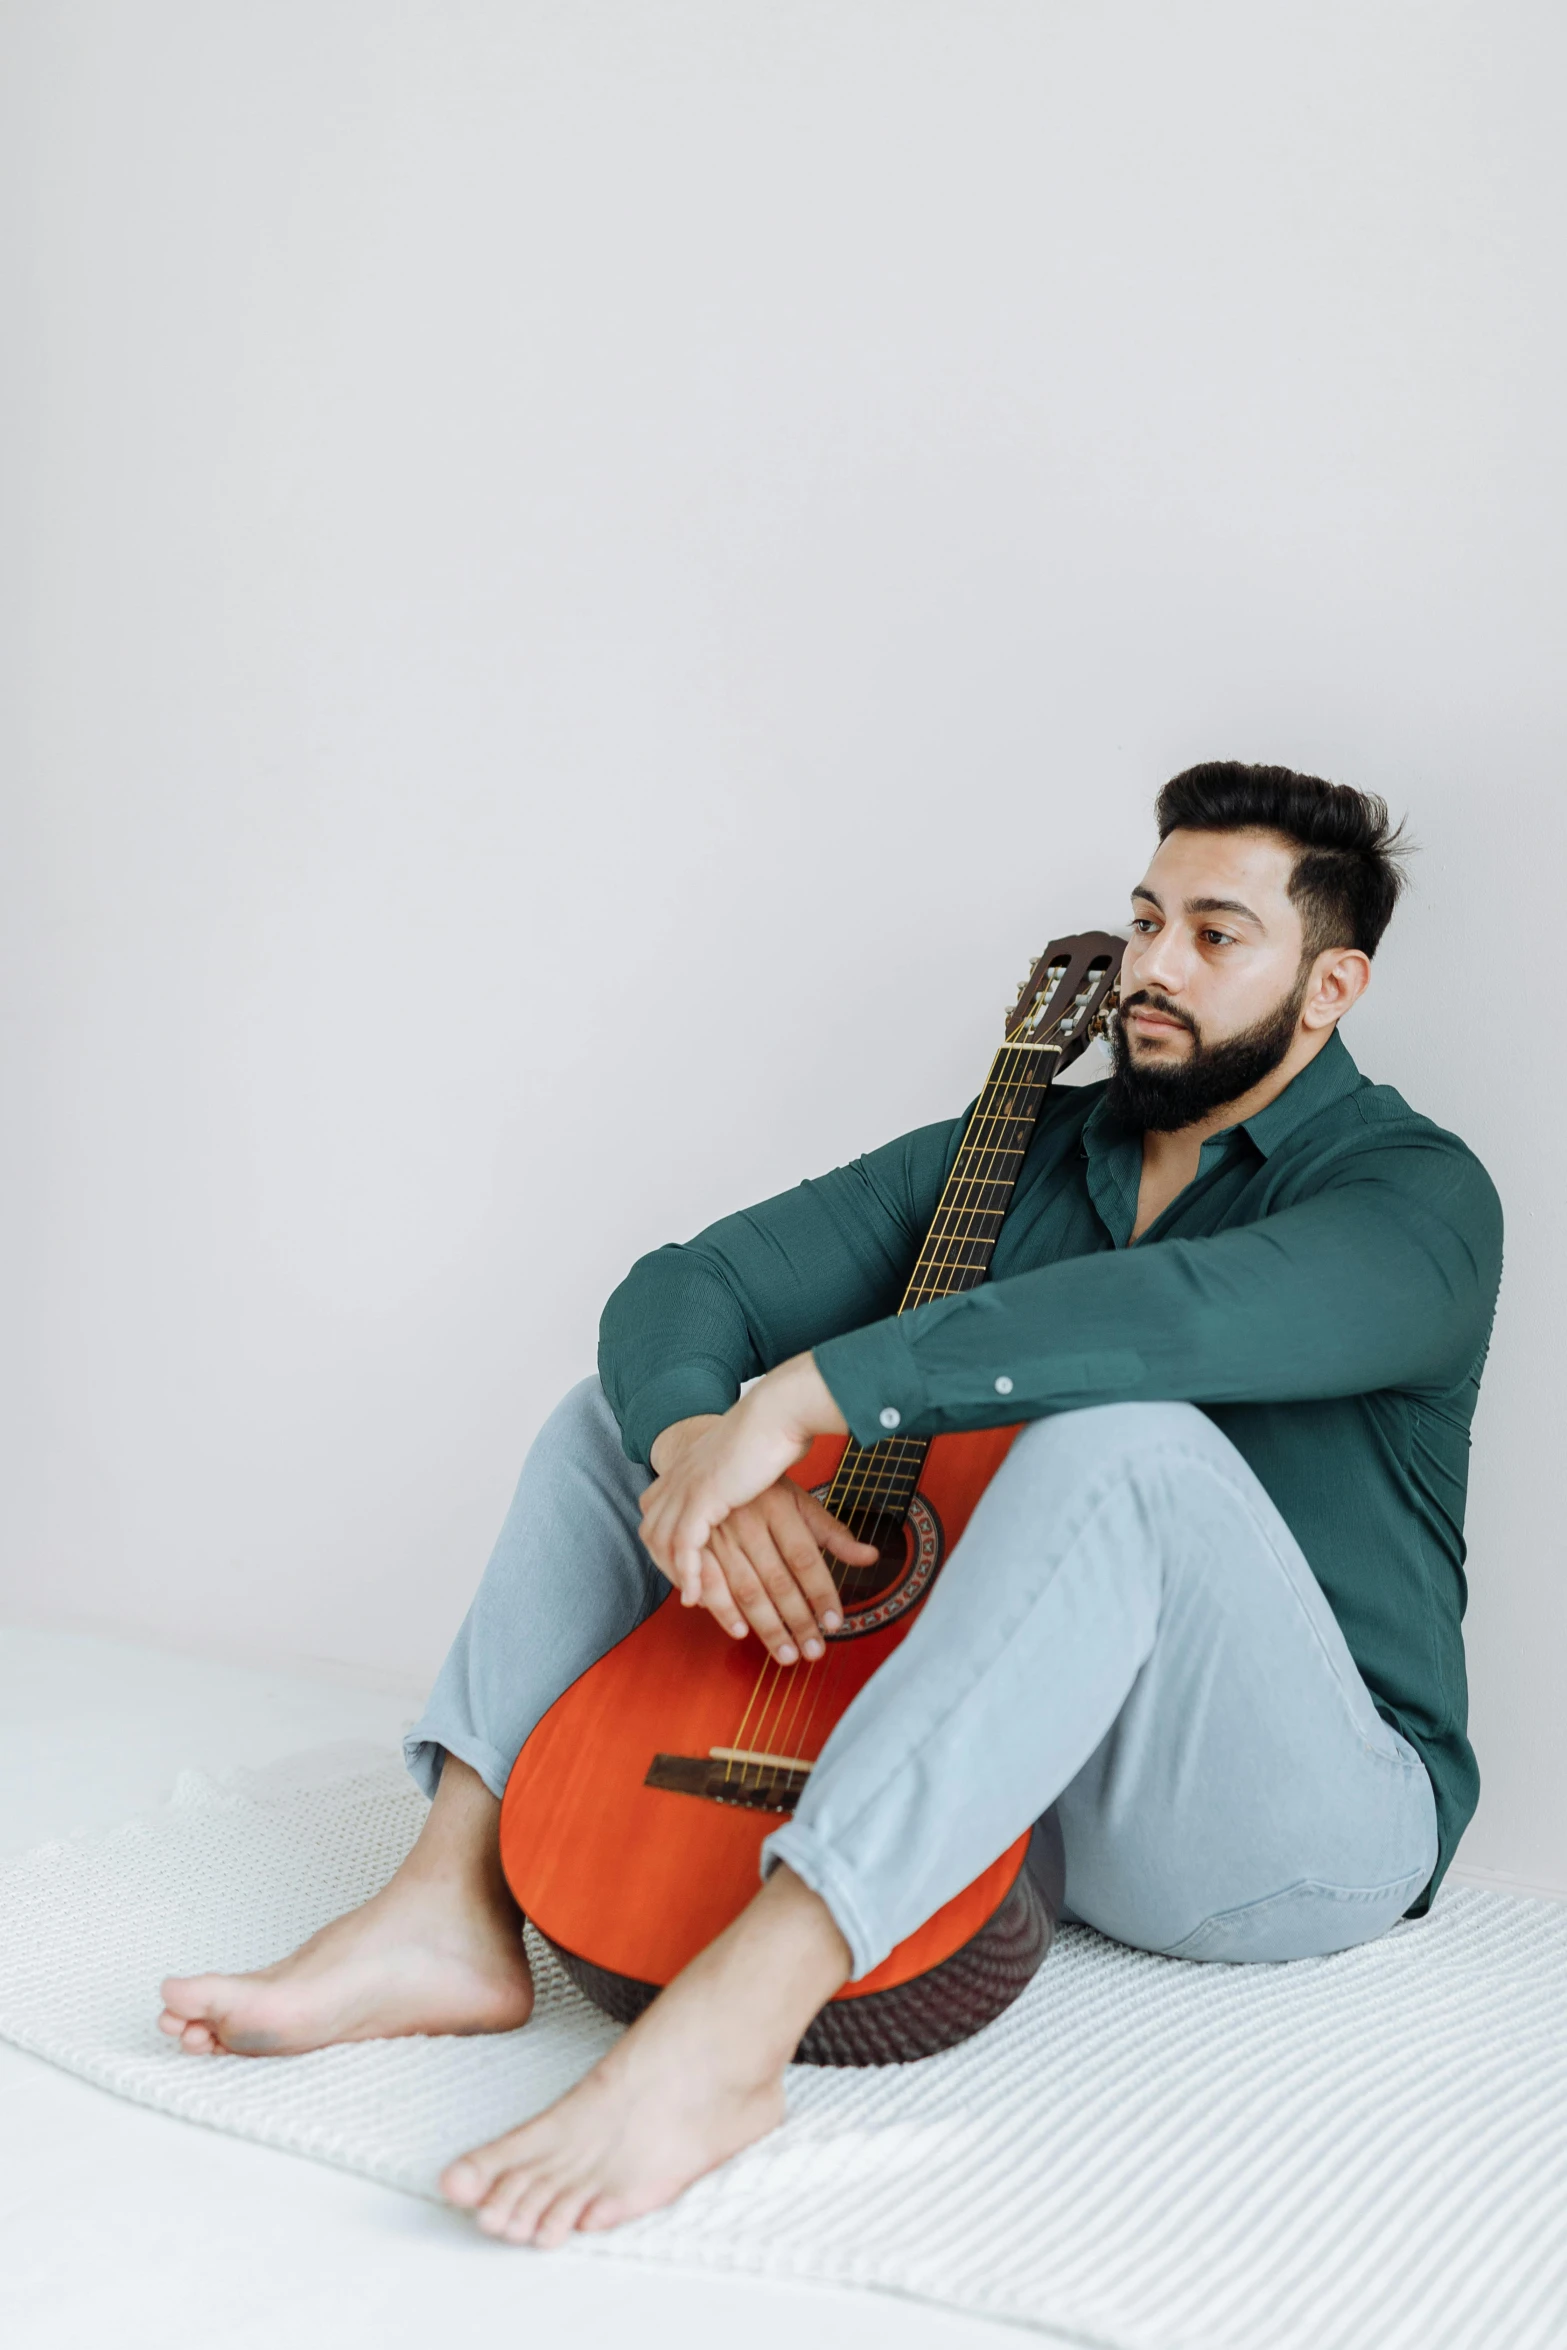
(1159,965)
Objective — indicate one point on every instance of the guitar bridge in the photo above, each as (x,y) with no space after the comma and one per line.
(733,1774)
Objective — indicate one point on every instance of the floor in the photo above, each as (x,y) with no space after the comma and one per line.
(129,2229)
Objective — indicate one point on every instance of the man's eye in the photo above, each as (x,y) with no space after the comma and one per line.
(1142,922)
(1219,938)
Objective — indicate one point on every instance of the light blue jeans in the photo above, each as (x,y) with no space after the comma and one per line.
(1127,1631)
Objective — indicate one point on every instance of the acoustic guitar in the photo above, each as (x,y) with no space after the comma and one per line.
(634,1815)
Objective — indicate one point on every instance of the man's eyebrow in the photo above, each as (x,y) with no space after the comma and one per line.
(1219,906)
(1143,891)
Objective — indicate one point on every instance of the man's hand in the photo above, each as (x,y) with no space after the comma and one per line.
(734,1533)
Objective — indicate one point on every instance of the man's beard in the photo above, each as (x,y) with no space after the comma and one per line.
(1164,1096)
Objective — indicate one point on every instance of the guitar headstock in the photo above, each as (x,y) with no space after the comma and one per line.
(1069,997)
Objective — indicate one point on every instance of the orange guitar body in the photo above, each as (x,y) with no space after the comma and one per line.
(630,1881)
(635,1814)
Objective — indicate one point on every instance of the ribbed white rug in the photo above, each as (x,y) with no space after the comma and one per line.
(1365,2152)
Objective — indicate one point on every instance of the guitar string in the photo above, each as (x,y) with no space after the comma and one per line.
(771,1673)
(780,1727)
(874,1481)
(781,1688)
(1031,1076)
(992,1149)
(777,1679)
(1015,1064)
(1023,1073)
(990,1140)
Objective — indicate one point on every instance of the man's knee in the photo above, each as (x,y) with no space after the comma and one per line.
(1101,1437)
(583,1414)
(583,1433)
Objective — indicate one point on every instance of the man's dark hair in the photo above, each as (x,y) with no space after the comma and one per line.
(1349,872)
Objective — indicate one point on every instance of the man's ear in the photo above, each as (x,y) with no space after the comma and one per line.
(1340,976)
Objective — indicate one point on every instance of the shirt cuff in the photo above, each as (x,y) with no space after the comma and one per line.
(704,1385)
(914,1375)
(874,1381)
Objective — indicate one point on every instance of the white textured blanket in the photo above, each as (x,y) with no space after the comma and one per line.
(1358,2153)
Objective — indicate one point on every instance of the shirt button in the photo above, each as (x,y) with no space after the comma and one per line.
(888,1417)
(1003,1385)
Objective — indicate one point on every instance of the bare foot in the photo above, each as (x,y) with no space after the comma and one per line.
(696,2078)
(439,1949)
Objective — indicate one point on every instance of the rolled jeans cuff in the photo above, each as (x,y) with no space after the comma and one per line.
(425,1750)
(816,1865)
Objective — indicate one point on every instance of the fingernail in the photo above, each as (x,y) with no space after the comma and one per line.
(786,1654)
(831,1620)
(738,1631)
(813,1649)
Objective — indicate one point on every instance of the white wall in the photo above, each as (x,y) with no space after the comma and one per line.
(585,582)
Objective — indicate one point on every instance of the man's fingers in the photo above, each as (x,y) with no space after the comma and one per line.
(783,1585)
(809,1569)
(714,1594)
(834,1535)
(800,1598)
(760,1565)
(759,1604)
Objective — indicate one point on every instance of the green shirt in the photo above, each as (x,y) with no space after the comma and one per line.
(1323,1289)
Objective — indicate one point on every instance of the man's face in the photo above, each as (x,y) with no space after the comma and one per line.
(1215,938)
(1212,983)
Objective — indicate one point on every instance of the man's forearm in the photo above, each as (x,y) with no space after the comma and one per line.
(689,1325)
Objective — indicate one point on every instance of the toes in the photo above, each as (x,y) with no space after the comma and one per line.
(529,2208)
(197,2039)
(469,2179)
(603,2211)
(518,2190)
(561,2218)
(502,2205)
(461,2183)
(187,2004)
(496,2209)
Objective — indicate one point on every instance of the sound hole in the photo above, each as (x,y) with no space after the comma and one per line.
(910,1549)
(894,1544)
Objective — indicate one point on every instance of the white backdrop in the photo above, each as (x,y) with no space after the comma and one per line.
(585,581)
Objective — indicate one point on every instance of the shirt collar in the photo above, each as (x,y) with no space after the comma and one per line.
(1325,1080)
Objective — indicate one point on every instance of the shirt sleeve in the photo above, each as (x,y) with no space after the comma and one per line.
(1386,1277)
(690,1323)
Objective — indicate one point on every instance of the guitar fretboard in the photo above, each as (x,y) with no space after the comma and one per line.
(977,1193)
(875,1485)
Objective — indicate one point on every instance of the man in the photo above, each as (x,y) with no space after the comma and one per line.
(1209,1607)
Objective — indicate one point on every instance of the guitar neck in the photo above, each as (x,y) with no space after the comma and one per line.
(978,1192)
(877,1483)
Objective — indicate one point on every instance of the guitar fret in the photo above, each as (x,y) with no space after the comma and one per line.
(942,1252)
(869,1488)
